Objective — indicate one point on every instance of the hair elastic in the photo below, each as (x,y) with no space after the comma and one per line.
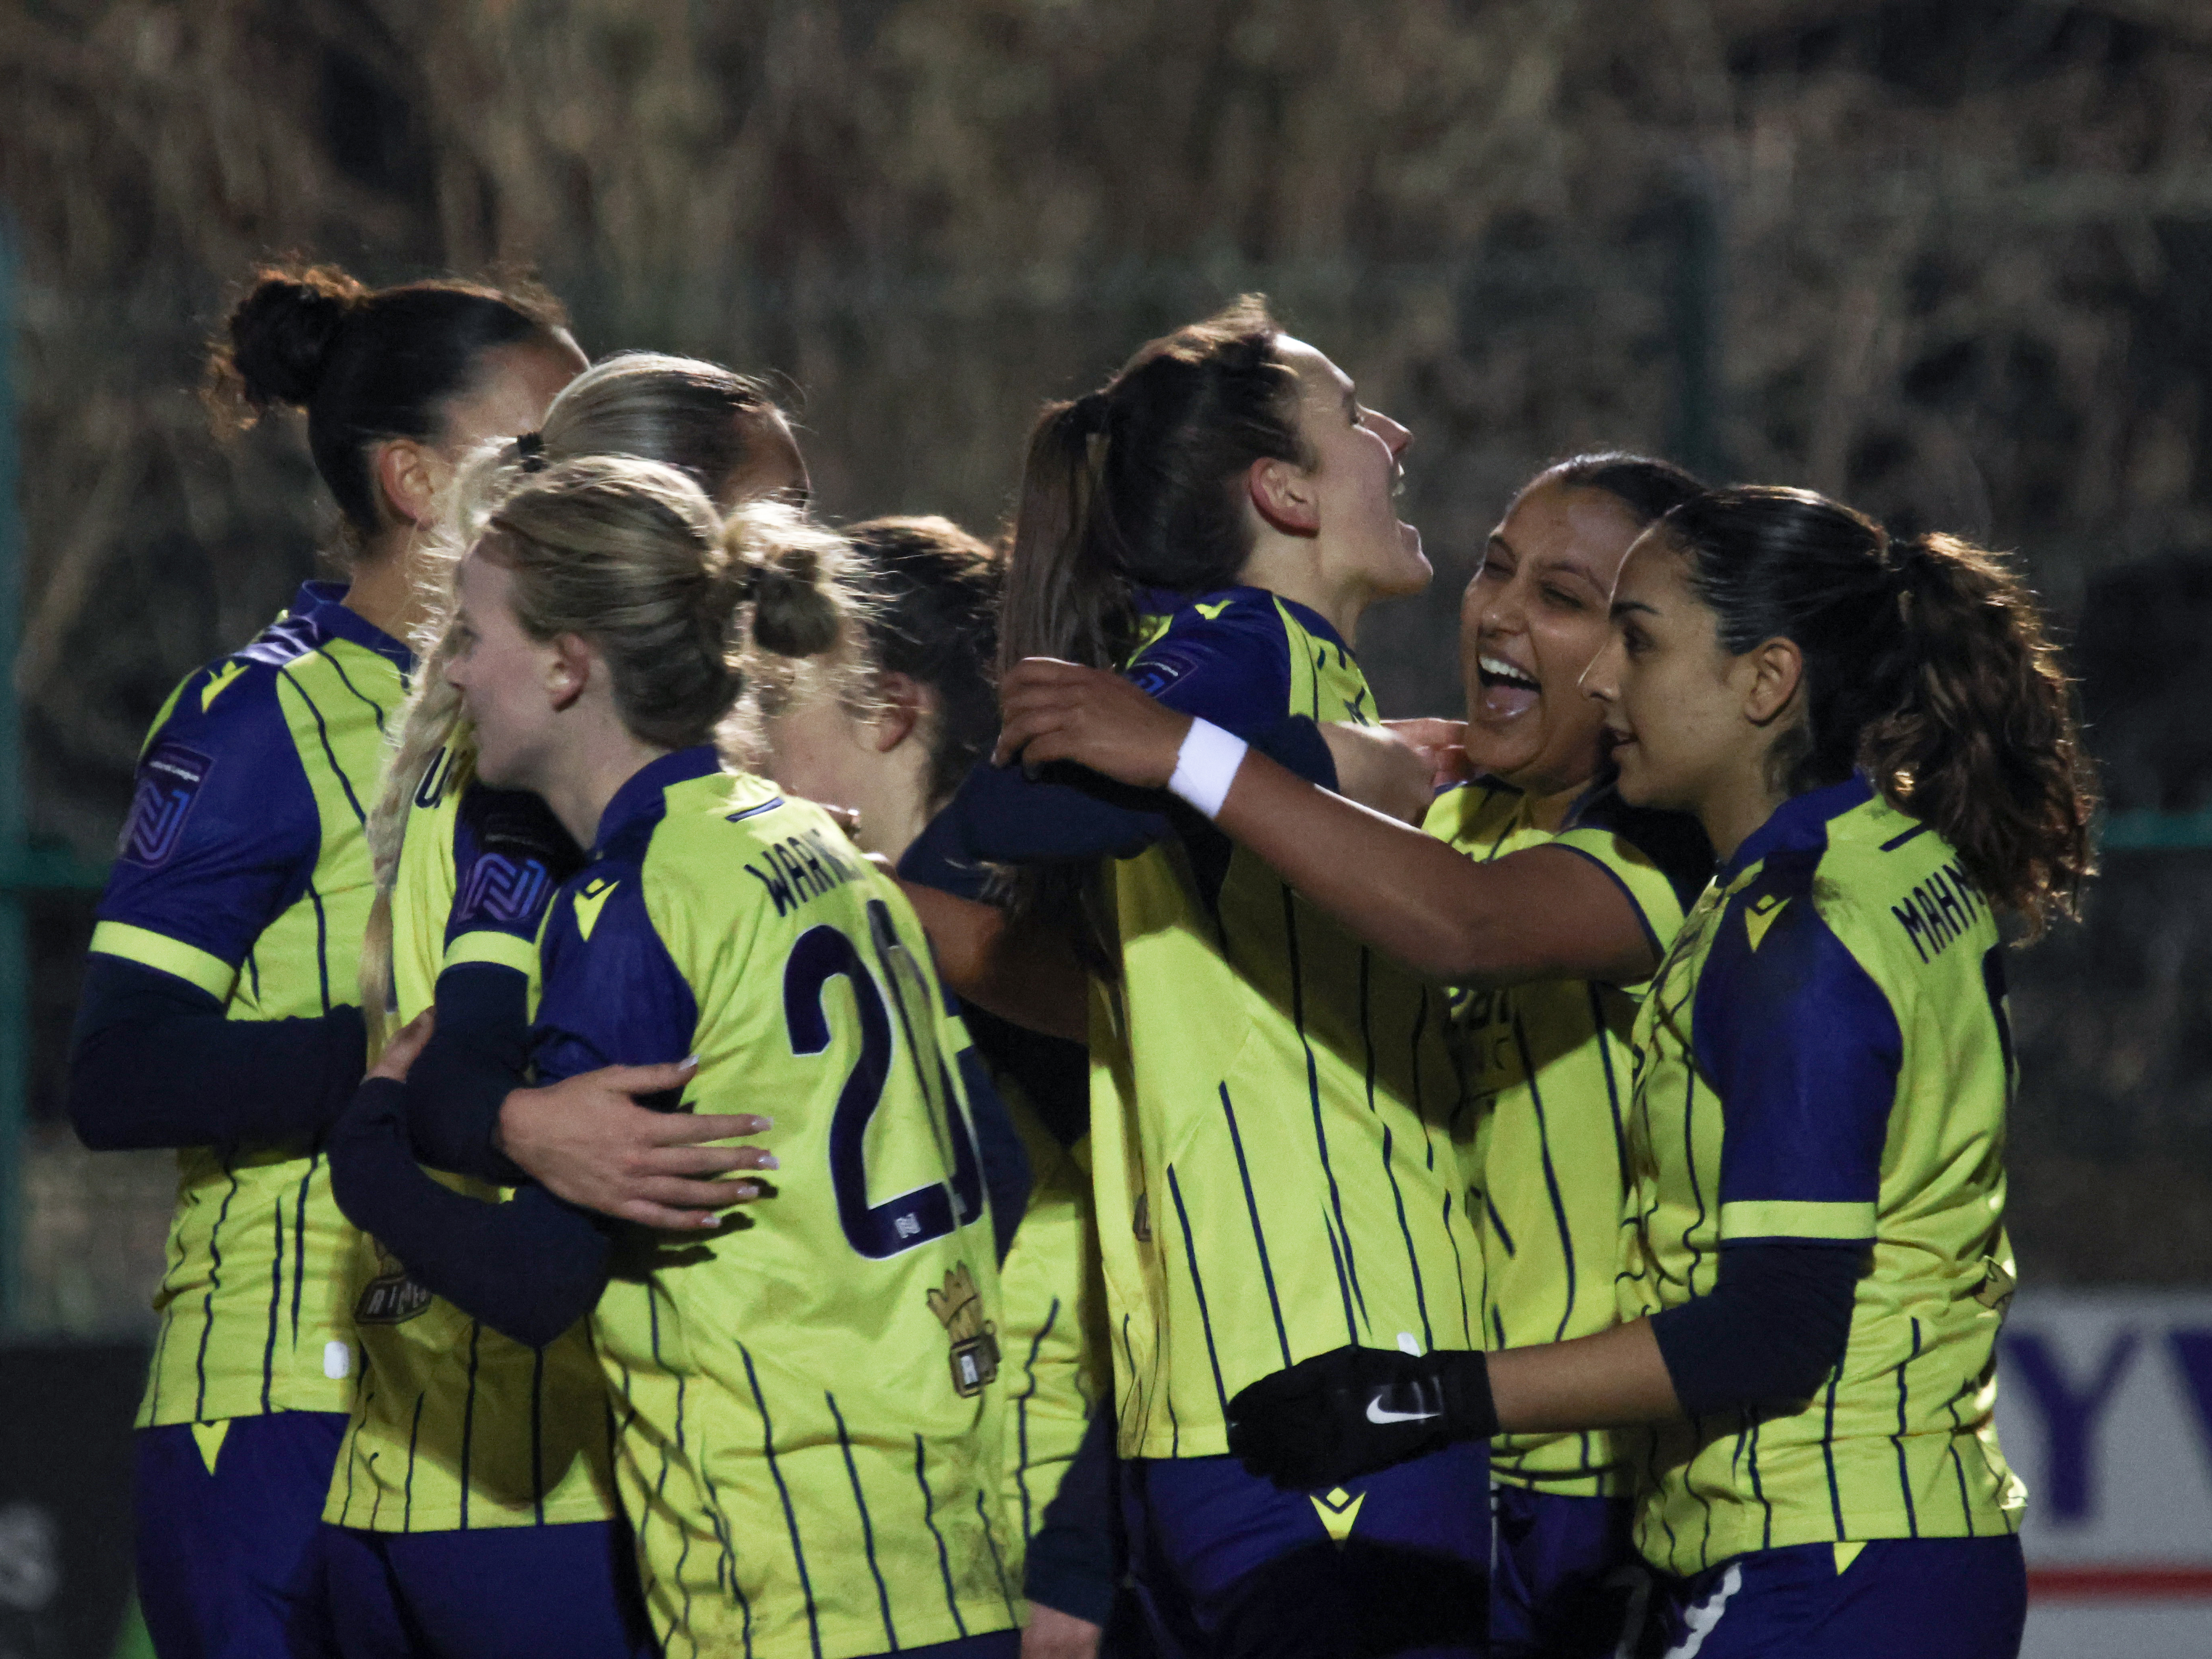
(531,448)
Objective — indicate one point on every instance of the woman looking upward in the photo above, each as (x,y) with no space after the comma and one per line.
(1272,1102)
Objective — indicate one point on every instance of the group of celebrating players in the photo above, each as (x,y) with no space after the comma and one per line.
(1253,1182)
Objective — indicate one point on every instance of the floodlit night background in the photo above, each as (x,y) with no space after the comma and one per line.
(1949,260)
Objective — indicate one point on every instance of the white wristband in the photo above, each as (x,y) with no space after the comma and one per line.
(1205,766)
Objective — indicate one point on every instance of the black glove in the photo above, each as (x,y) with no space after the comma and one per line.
(1349,1413)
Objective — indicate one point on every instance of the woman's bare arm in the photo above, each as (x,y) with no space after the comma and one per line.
(1545,913)
(1609,1380)
(1020,974)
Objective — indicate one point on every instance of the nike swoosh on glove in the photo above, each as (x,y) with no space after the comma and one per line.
(1352,1410)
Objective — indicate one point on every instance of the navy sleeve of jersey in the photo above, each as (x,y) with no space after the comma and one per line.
(223,833)
(613,994)
(1803,1049)
(1774,1325)
(1073,1566)
(478,1052)
(1232,667)
(510,856)
(529,1268)
(153,1062)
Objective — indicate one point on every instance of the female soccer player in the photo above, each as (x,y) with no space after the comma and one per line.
(806,1403)
(1272,1102)
(214,1017)
(1551,845)
(1877,738)
(474,1489)
(895,753)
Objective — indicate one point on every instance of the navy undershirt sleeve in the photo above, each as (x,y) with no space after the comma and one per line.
(529,1268)
(1073,1563)
(478,1054)
(1052,1073)
(1771,1329)
(153,1062)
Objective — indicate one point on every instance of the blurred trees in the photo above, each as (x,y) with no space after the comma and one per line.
(1949,259)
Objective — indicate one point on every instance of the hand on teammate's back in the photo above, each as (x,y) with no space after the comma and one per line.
(1060,711)
(586,1140)
(1353,1411)
(1381,769)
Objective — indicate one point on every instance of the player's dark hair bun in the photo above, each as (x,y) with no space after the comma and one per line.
(283,331)
(365,364)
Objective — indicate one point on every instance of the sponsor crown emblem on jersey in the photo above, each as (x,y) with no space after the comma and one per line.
(959,1309)
(392,1297)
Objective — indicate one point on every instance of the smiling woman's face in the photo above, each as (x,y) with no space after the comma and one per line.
(1533,617)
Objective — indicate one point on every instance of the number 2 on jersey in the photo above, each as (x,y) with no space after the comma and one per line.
(930,1211)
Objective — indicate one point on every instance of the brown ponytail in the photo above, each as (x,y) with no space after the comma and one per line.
(1134,485)
(1983,743)
(1927,666)
(1130,487)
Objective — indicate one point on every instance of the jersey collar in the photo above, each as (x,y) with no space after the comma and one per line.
(1800,823)
(640,800)
(322,606)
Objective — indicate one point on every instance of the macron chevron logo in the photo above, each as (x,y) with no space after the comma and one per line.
(589,903)
(1759,916)
(218,682)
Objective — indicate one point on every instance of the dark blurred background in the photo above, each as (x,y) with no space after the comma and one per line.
(1950,260)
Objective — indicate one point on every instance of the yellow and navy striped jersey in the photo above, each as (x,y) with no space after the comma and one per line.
(1271,1102)
(455,1426)
(1827,1042)
(1549,1067)
(243,870)
(1057,1367)
(809,1408)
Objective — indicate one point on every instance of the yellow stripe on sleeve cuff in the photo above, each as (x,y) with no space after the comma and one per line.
(503,950)
(188,963)
(1778,1218)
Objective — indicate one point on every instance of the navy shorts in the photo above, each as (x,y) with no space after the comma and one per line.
(1227,1564)
(998,1645)
(230,1535)
(557,1592)
(1566,1582)
(1902,1598)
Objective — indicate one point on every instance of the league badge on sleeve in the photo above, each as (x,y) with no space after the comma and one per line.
(169,779)
(504,889)
(1154,671)
(959,1309)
